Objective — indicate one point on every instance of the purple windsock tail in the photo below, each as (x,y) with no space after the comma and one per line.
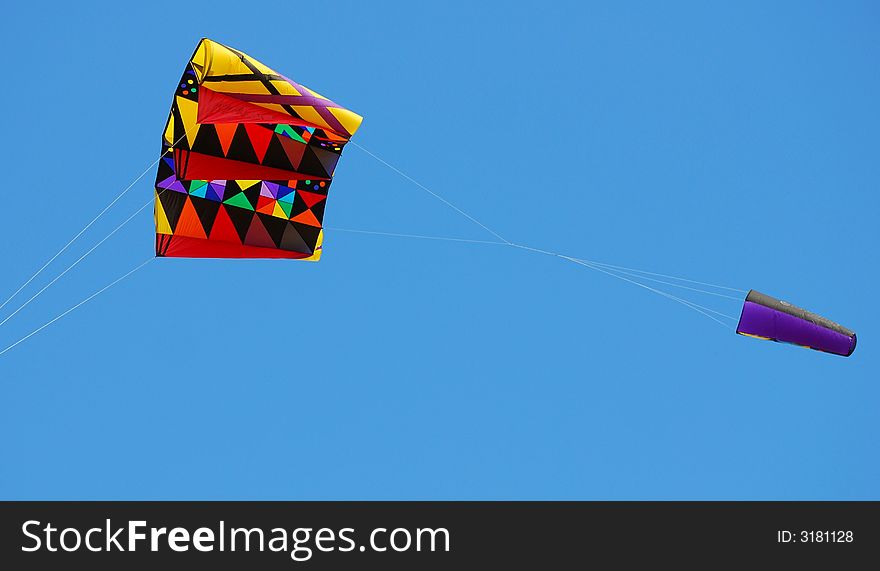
(768,318)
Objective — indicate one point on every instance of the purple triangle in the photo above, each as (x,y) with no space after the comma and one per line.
(269,189)
(217,188)
(214,193)
(171,183)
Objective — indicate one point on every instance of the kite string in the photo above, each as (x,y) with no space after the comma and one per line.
(74,264)
(614,273)
(700,309)
(418,236)
(736,289)
(81,303)
(508,242)
(470,241)
(87,226)
(93,248)
(608,268)
(695,306)
(432,193)
(673,284)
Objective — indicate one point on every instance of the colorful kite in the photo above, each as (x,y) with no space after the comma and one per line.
(768,318)
(248,158)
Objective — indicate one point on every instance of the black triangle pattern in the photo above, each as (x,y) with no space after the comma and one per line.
(291,240)
(275,226)
(241,149)
(207,212)
(172,203)
(253,194)
(207,141)
(310,164)
(320,154)
(241,219)
(309,233)
(318,211)
(276,157)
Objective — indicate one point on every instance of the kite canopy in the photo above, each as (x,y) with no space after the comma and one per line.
(765,317)
(248,158)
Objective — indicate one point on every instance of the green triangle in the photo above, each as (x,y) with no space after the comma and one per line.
(288,130)
(196,184)
(287,207)
(239,200)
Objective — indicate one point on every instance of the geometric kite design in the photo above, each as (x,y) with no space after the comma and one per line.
(248,159)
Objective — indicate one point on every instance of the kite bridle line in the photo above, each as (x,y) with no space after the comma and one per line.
(617,269)
(417,236)
(625,269)
(690,304)
(434,194)
(609,269)
(83,302)
(579,261)
(619,272)
(74,264)
(80,233)
(93,248)
(641,277)
(695,306)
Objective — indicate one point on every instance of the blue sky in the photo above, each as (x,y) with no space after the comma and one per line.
(734,143)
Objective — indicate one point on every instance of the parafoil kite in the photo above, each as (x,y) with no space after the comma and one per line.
(248,158)
(766,317)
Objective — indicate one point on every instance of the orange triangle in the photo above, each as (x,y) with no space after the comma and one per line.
(265,204)
(223,230)
(260,138)
(225,132)
(307,218)
(189,224)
